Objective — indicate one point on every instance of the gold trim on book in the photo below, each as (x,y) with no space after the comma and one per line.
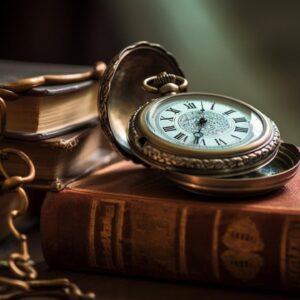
(3,115)
(215,245)
(243,240)
(8,95)
(290,252)
(111,235)
(283,251)
(105,234)
(91,246)
(119,234)
(182,243)
(25,84)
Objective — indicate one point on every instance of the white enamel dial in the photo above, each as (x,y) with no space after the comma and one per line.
(205,122)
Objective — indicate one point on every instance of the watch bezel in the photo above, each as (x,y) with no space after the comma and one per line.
(187,151)
(166,155)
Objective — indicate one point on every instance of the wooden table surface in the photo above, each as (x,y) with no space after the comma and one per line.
(123,288)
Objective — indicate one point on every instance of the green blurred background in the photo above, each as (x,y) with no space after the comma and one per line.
(244,49)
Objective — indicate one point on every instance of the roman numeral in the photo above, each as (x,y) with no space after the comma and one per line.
(197,139)
(220,141)
(238,120)
(241,129)
(213,105)
(228,112)
(190,105)
(162,118)
(175,111)
(235,136)
(169,128)
(181,136)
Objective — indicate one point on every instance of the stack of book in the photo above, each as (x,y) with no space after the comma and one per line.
(54,120)
(52,117)
(127,219)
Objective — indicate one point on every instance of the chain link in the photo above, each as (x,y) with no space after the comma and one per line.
(23,282)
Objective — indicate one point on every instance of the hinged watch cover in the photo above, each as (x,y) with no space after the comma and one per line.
(121,93)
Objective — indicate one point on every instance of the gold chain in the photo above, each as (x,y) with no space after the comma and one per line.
(23,281)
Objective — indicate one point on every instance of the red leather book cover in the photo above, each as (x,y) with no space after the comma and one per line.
(130,220)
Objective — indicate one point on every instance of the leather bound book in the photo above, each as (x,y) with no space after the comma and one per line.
(46,100)
(60,160)
(126,219)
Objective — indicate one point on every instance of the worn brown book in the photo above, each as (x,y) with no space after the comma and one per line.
(130,220)
(46,100)
(59,160)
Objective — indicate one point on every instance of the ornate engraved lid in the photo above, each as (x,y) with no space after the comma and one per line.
(121,91)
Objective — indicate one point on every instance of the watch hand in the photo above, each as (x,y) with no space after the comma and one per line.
(198,135)
(202,120)
(202,108)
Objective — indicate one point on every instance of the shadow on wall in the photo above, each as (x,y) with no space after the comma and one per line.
(244,49)
(247,50)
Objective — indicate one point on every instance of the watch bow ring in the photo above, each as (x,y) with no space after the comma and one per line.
(165,83)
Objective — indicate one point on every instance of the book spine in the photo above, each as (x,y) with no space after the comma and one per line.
(241,247)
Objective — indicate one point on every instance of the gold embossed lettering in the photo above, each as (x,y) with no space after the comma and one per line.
(293,253)
(106,234)
(243,240)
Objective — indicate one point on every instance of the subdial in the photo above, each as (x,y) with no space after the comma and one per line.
(215,123)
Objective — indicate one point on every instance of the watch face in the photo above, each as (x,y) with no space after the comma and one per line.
(204,121)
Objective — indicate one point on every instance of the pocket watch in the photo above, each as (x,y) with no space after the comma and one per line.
(206,143)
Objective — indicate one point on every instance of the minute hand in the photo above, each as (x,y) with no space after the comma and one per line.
(202,120)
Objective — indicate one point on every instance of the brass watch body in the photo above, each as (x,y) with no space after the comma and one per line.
(165,155)
(206,143)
